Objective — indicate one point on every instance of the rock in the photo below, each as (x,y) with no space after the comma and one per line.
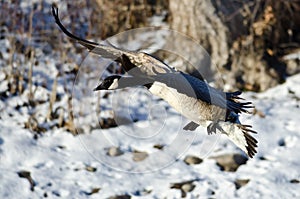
(184,187)
(158,146)
(143,192)
(230,162)
(106,123)
(60,147)
(294,181)
(281,142)
(90,169)
(240,183)
(114,151)
(93,191)
(188,187)
(190,160)
(263,158)
(139,156)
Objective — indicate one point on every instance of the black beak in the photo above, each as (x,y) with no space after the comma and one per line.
(99,87)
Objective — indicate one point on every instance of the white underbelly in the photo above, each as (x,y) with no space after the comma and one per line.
(191,108)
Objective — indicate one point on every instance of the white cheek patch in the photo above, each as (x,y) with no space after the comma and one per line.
(114,85)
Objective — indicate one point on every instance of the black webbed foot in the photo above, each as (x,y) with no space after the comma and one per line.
(212,128)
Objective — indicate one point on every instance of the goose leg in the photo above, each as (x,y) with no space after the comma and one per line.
(212,127)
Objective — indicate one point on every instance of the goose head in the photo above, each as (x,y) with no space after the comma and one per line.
(109,83)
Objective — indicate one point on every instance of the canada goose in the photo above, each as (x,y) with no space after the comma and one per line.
(190,96)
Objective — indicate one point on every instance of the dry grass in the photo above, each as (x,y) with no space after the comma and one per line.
(31,32)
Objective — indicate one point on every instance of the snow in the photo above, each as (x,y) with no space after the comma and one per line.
(66,166)
(57,160)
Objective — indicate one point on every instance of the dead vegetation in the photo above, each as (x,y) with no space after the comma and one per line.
(271,31)
(25,34)
(261,32)
(31,36)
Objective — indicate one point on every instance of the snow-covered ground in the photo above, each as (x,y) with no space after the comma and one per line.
(39,157)
(67,166)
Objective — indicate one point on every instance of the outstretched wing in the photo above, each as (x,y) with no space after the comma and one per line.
(103,50)
(135,63)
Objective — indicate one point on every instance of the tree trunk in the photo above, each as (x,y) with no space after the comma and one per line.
(197,19)
(244,38)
